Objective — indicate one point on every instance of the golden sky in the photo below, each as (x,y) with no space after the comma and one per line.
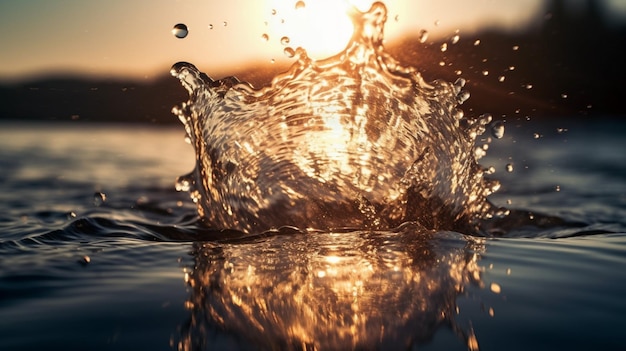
(133,38)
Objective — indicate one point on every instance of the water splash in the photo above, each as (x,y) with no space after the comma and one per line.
(355,140)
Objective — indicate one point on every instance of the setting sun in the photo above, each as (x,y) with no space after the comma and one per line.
(322,27)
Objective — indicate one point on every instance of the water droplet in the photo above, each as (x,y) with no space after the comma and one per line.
(472,342)
(485,73)
(437,22)
(515,47)
(289,52)
(210,26)
(477,42)
(501,79)
(225,23)
(557,188)
(180,30)
(509,167)
(561,130)
(397,18)
(463,96)
(455,39)
(479,152)
(423,36)
(564,96)
(459,83)
(511,68)
(529,86)
(284,40)
(86,259)
(99,198)
(458,72)
(265,37)
(444,47)
(485,118)
(495,288)
(300,5)
(497,129)
(183,184)
(536,135)
(273,12)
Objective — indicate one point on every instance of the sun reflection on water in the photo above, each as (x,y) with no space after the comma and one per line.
(332,291)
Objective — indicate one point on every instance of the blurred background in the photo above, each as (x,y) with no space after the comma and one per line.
(71,60)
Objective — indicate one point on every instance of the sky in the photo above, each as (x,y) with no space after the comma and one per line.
(121,38)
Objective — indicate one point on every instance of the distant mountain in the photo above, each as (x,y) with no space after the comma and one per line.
(91,100)
(568,66)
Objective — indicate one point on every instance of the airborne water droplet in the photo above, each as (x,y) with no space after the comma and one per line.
(509,167)
(183,184)
(497,129)
(284,40)
(463,96)
(180,30)
(99,198)
(289,52)
(444,47)
(300,5)
(423,36)
(479,152)
(86,259)
(265,37)
(455,39)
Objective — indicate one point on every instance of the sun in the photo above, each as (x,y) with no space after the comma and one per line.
(322,27)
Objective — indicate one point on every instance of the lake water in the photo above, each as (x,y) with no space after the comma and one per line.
(99,252)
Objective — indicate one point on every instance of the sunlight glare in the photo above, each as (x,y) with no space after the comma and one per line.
(322,27)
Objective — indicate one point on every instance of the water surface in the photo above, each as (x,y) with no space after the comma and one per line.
(98,251)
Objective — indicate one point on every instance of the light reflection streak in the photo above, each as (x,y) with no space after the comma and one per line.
(363,290)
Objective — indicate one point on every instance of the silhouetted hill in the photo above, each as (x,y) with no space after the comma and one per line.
(91,100)
(571,64)
(568,66)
